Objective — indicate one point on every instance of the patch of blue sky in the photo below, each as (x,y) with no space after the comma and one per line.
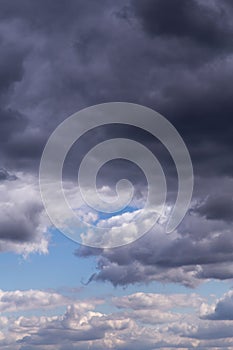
(106,216)
(56,269)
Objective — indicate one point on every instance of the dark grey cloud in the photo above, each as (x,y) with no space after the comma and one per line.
(12,122)
(218,207)
(12,59)
(79,54)
(11,63)
(202,23)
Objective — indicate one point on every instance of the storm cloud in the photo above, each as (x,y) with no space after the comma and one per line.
(66,57)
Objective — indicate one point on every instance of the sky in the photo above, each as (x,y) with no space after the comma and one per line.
(162,291)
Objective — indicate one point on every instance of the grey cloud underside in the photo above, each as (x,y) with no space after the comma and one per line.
(223,309)
(143,267)
(58,57)
(21,214)
(218,207)
(200,249)
(4,175)
(21,226)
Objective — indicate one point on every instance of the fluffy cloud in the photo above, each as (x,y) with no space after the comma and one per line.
(151,321)
(140,301)
(29,300)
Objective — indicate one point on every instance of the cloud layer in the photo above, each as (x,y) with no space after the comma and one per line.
(148,320)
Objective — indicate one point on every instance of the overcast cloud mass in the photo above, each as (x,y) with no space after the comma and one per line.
(174,56)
